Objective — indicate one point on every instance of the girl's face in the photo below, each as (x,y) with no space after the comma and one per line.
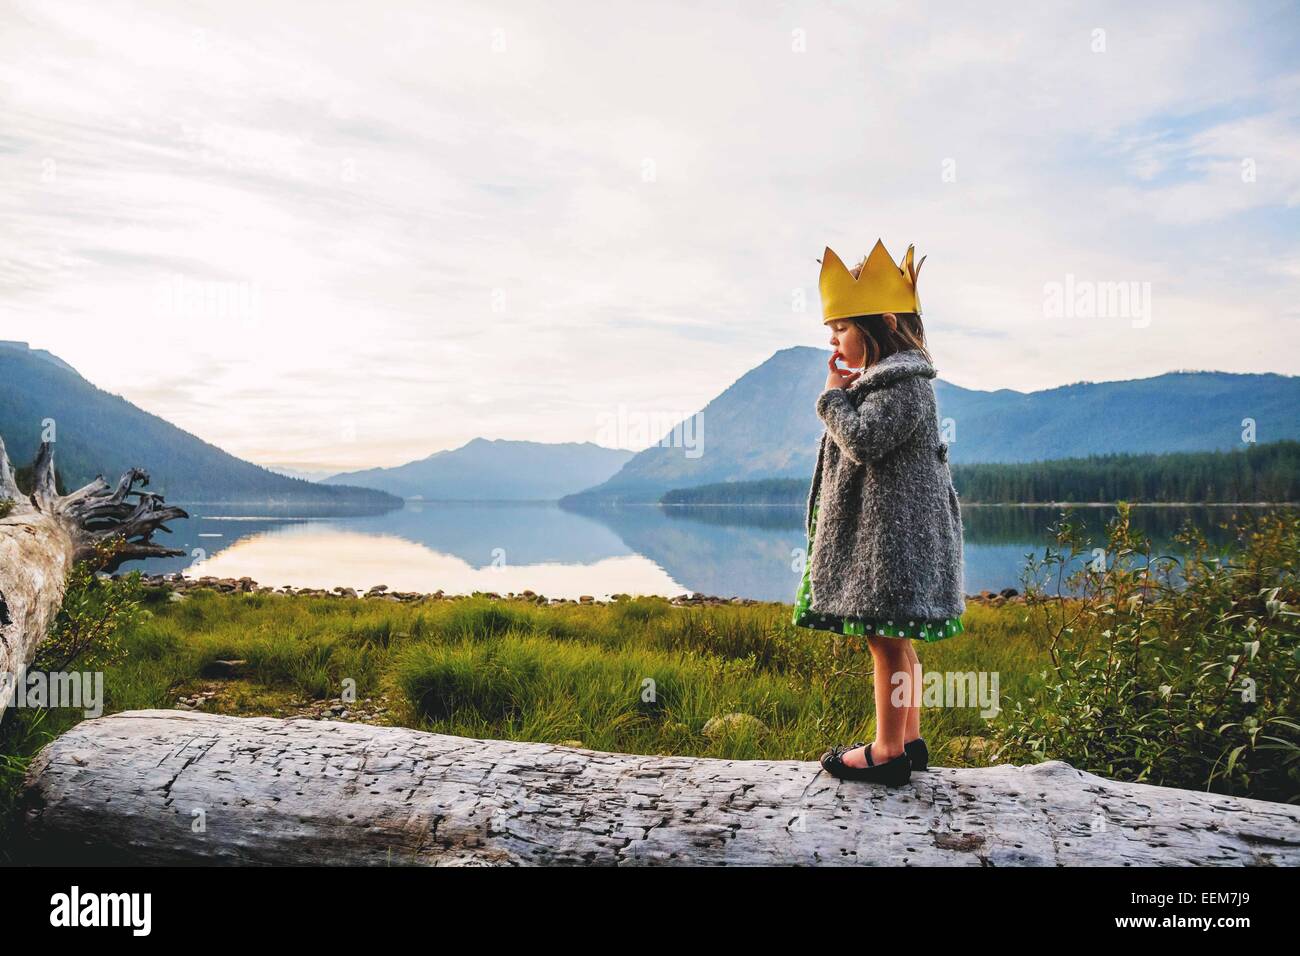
(846,337)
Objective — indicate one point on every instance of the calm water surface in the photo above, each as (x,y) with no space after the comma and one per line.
(744,551)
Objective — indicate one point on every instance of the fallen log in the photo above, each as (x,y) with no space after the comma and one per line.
(43,533)
(170,787)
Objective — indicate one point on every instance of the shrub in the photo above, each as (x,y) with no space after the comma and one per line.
(1178,673)
(88,627)
(638,611)
(486,679)
(479,618)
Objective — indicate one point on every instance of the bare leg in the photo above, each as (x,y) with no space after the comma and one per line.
(890,657)
(914,701)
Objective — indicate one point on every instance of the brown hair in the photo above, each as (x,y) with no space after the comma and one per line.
(884,338)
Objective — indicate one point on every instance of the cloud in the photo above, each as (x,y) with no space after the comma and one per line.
(423,224)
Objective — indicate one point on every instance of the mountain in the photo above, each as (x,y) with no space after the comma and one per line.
(100,433)
(765,425)
(496,470)
(43,354)
(304,474)
(1177,411)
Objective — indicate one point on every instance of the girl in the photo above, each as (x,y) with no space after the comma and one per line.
(883,522)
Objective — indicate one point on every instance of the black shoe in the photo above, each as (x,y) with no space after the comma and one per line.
(892,773)
(916,749)
(919,753)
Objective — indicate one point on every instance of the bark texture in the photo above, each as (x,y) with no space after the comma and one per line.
(178,787)
(44,533)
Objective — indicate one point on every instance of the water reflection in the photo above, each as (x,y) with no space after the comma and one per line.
(748,551)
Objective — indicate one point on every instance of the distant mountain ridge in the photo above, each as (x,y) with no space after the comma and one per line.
(1256,473)
(100,433)
(765,424)
(43,354)
(496,470)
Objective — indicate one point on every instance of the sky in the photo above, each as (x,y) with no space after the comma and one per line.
(328,236)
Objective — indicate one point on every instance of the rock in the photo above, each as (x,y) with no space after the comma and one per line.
(734,723)
(224,669)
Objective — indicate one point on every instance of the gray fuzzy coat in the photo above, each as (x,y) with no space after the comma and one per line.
(889,533)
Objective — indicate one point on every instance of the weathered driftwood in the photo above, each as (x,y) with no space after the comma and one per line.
(178,787)
(43,535)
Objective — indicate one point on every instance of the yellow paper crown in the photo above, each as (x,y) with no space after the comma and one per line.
(880,287)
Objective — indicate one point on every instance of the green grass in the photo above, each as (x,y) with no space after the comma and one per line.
(635,676)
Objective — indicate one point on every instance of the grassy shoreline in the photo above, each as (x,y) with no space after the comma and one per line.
(506,668)
(569,673)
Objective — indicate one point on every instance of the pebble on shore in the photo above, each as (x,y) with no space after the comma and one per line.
(177,583)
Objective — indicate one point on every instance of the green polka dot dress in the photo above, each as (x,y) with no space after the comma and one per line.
(916,629)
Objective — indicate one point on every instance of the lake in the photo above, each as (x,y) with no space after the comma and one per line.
(460,547)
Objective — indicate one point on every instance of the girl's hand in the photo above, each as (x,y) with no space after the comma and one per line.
(838,377)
